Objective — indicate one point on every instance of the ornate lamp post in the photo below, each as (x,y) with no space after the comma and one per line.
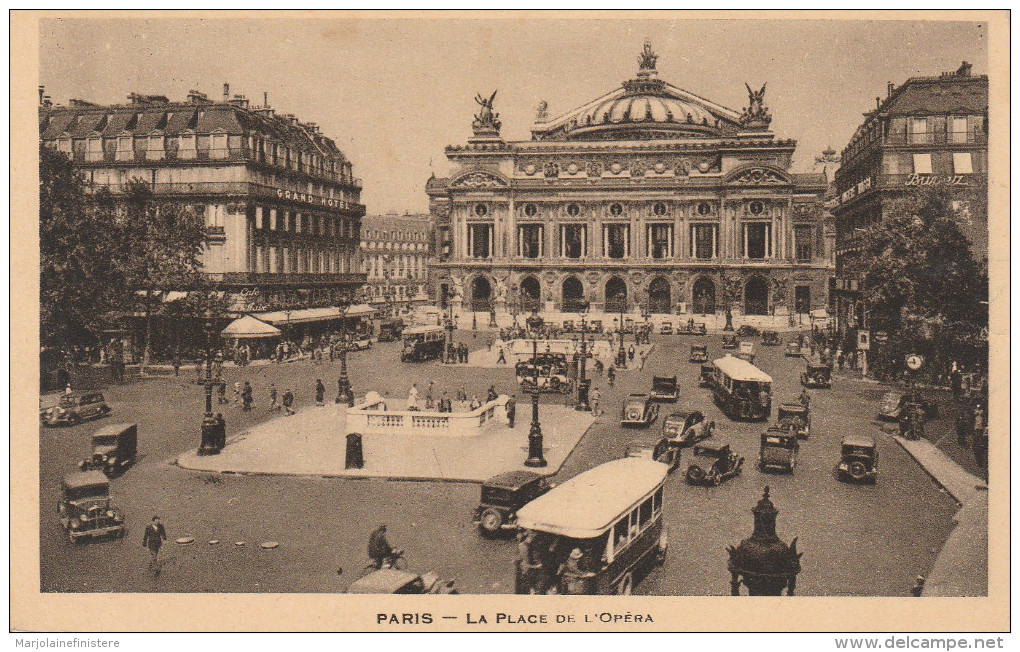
(621,354)
(582,383)
(515,299)
(344,392)
(212,428)
(535,458)
(763,562)
(449,320)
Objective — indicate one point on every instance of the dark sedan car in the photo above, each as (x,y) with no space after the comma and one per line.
(77,407)
(684,428)
(503,495)
(638,411)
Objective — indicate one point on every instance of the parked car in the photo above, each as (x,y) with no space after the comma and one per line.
(595,326)
(746,351)
(638,411)
(713,463)
(817,376)
(730,342)
(360,342)
(770,338)
(503,495)
(778,450)
(792,349)
(84,509)
(699,329)
(658,450)
(568,325)
(705,377)
(390,330)
(684,429)
(77,407)
(797,416)
(664,389)
(699,353)
(747,331)
(114,449)
(894,402)
(390,581)
(858,459)
(666,328)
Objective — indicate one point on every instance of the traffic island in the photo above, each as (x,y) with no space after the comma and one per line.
(313,442)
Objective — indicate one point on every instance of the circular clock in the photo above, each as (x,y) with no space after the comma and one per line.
(914,361)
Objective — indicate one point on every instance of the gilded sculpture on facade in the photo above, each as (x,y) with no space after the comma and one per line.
(486,120)
(756,115)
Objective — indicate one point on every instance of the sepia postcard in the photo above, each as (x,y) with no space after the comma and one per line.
(534,321)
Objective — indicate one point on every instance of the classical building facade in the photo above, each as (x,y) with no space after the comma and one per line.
(648,198)
(280,200)
(396,255)
(928,131)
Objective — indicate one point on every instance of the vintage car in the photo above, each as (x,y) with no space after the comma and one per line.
(778,450)
(858,459)
(503,495)
(390,330)
(390,581)
(628,326)
(817,376)
(730,342)
(664,389)
(684,429)
(797,416)
(77,407)
(659,450)
(360,342)
(568,325)
(114,449)
(712,463)
(770,338)
(894,403)
(699,353)
(84,508)
(747,331)
(746,351)
(666,328)
(705,377)
(792,349)
(699,329)
(638,411)
(595,326)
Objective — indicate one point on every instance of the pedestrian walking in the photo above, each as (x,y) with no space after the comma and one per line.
(273,405)
(502,356)
(475,403)
(462,394)
(198,370)
(412,397)
(221,392)
(237,392)
(320,392)
(964,422)
(492,395)
(288,402)
(247,400)
(464,352)
(641,365)
(611,375)
(804,398)
(430,401)
(593,400)
(956,382)
(511,410)
(153,538)
(177,363)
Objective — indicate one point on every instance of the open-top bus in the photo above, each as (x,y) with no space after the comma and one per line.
(742,390)
(607,521)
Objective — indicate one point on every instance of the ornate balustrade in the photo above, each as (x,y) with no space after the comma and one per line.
(372,418)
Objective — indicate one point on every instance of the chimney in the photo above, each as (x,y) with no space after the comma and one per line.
(889,89)
(42,91)
(878,103)
(226,92)
(265,99)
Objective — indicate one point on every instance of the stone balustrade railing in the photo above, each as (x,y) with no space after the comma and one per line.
(371,417)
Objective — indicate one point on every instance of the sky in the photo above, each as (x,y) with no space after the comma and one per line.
(394,93)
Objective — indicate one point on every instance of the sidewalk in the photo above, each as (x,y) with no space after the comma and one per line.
(313,442)
(961,569)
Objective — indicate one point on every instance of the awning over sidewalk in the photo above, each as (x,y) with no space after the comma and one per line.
(249,327)
(311,315)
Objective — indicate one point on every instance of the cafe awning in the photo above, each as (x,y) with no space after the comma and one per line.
(249,327)
(312,315)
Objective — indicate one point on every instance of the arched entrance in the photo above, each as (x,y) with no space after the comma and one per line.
(616,294)
(531,294)
(659,299)
(573,295)
(703,296)
(481,294)
(756,296)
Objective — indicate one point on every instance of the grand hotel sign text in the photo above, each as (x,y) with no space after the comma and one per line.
(312,199)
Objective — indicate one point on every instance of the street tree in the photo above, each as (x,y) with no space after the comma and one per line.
(79,268)
(922,282)
(161,245)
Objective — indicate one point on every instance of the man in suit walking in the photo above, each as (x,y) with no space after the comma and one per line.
(155,535)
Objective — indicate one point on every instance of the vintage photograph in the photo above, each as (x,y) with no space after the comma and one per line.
(534,305)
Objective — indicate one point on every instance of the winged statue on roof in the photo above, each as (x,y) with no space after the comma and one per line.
(486,118)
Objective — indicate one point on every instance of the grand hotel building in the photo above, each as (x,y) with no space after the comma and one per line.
(280,200)
(649,195)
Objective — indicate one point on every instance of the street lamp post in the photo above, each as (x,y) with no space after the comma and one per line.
(621,354)
(535,458)
(582,384)
(213,428)
(344,392)
(449,323)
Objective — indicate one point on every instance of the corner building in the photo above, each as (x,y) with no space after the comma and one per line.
(281,204)
(649,197)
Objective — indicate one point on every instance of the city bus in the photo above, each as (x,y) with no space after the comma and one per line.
(741,390)
(606,521)
(423,343)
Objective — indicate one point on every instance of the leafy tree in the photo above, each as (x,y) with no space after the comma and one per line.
(161,246)
(79,273)
(921,281)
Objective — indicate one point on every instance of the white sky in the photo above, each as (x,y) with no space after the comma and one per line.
(394,93)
